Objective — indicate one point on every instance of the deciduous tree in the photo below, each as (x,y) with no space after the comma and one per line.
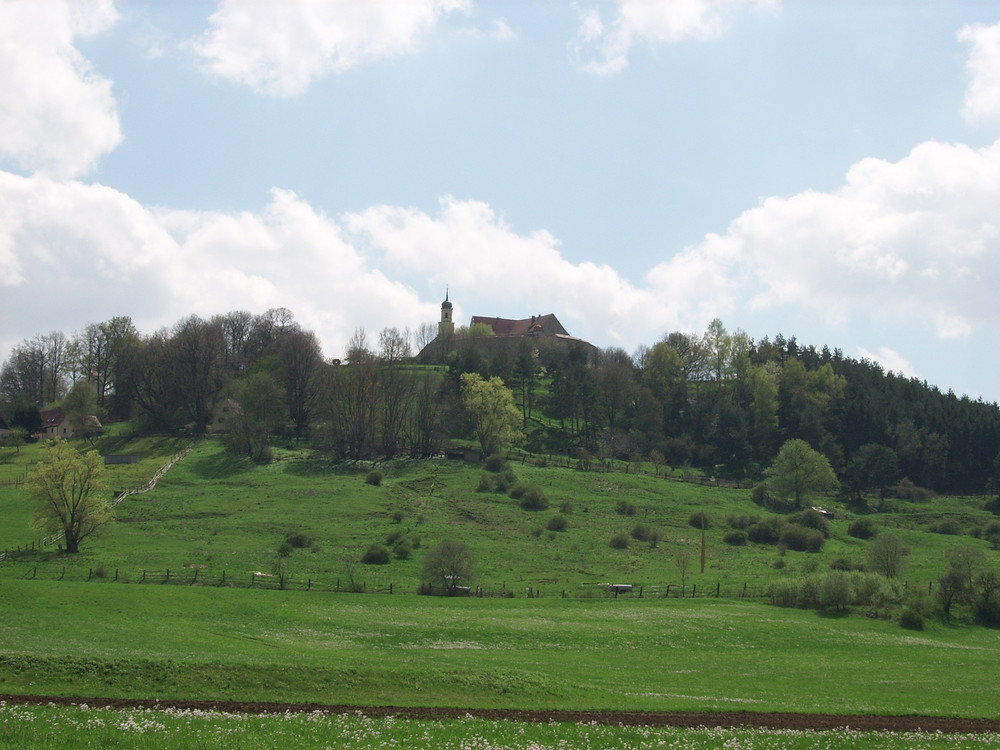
(490,407)
(799,471)
(68,487)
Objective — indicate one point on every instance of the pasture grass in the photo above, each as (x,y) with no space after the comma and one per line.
(221,516)
(79,639)
(81,727)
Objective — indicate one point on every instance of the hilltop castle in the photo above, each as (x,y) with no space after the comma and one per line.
(503,333)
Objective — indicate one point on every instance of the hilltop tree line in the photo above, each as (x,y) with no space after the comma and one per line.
(719,401)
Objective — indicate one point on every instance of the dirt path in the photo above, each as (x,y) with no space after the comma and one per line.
(679,719)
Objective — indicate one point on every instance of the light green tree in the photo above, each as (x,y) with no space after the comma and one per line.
(799,471)
(447,566)
(68,487)
(490,407)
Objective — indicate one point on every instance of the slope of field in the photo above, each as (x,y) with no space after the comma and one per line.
(226,519)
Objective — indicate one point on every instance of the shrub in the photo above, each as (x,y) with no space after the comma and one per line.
(862,528)
(377,554)
(907,490)
(767,531)
(558,523)
(801,539)
(402,550)
(299,541)
(811,520)
(641,532)
(518,490)
(394,537)
(398,516)
(625,508)
(374,478)
(619,541)
(911,620)
(533,499)
(495,462)
(566,507)
(700,520)
(835,591)
(946,526)
(845,563)
(284,550)
(783,593)
(505,480)
(486,483)
(736,537)
(741,522)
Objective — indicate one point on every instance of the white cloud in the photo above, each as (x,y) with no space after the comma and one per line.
(889,360)
(982,98)
(664,21)
(57,116)
(280,48)
(60,269)
(916,239)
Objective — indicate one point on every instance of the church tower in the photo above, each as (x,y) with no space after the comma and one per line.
(447,326)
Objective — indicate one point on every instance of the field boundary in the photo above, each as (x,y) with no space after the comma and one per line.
(735,719)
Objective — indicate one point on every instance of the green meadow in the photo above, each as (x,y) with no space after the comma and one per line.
(111,622)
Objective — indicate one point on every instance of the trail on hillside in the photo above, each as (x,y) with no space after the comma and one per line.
(735,719)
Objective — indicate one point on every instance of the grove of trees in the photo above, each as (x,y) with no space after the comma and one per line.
(718,401)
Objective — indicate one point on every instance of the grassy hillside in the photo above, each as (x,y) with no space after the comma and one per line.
(221,516)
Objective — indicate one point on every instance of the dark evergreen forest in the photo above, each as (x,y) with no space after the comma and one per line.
(720,402)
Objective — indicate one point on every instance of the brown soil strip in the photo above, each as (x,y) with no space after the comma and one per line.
(862,722)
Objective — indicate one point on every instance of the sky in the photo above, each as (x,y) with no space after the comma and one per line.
(828,171)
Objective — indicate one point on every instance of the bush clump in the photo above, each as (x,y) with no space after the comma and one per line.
(619,541)
(495,462)
(767,531)
(811,520)
(801,538)
(374,478)
(377,554)
(700,520)
(741,522)
(911,620)
(558,522)
(533,499)
(299,541)
(862,528)
(736,537)
(625,508)
(947,526)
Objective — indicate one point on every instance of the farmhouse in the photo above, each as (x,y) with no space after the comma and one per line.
(56,424)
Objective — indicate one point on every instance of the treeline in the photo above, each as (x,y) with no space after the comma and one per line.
(719,401)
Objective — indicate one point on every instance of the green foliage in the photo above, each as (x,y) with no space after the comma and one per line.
(558,523)
(490,407)
(801,538)
(736,538)
(376,554)
(67,486)
(447,566)
(862,528)
(911,620)
(625,508)
(700,520)
(374,478)
(948,526)
(533,498)
(619,541)
(799,471)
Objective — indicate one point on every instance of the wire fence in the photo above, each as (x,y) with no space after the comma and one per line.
(204,577)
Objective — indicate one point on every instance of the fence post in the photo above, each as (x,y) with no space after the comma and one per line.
(640,592)
(195,579)
(694,590)
(116,574)
(142,580)
(167,579)
(744,589)
(390,588)
(717,586)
